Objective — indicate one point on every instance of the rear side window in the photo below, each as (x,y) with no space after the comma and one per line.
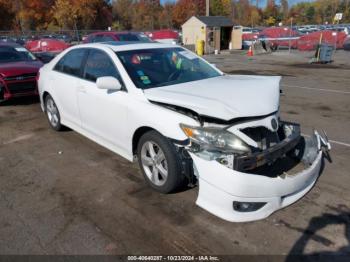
(99,64)
(128,37)
(96,39)
(71,63)
(106,38)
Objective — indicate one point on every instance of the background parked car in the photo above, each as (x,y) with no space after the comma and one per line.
(18,71)
(165,36)
(347,43)
(116,36)
(46,49)
(63,37)
(7,39)
(46,45)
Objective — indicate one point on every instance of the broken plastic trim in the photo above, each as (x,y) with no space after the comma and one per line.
(254,160)
(180,142)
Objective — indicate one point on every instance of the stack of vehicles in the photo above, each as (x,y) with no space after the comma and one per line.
(303,38)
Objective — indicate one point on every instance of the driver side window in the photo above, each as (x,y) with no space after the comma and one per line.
(98,64)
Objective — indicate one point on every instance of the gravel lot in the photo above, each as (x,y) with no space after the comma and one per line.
(63,194)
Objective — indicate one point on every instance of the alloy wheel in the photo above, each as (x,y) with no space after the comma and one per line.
(154,163)
(52,112)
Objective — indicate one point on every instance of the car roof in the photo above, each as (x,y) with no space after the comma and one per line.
(114,33)
(125,46)
(9,44)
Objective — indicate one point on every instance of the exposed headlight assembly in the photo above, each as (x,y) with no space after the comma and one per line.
(209,138)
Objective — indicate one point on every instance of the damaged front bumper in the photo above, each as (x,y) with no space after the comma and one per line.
(236,195)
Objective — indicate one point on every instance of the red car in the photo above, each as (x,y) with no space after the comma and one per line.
(46,45)
(164,36)
(109,36)
(18,71)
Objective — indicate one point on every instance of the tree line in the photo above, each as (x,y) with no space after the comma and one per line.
(150,14)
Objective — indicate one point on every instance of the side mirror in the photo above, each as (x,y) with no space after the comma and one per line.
(108,83)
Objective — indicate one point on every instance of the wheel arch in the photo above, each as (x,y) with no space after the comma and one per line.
(45,94)
(138,134)
(43,97)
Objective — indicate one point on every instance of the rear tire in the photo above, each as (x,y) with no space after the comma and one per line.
(52,113)
(160,163)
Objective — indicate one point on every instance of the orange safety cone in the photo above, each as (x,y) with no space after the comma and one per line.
(250,51)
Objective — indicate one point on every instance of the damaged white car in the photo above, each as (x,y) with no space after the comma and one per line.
(185,122)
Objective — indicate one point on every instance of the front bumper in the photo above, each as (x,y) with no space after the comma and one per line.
(220,187)
(13,89)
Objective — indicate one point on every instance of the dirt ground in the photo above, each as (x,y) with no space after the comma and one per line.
(63,194)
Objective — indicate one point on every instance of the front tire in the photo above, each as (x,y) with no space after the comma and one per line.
(52,113)
(160,163)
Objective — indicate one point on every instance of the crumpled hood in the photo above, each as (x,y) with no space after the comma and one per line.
(224,97)
(19,68)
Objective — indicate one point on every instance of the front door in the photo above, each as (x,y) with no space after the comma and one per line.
(103,112)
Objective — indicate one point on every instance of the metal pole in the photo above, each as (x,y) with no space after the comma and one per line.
(76,30)
(207,8)
(290,33)
(336,38)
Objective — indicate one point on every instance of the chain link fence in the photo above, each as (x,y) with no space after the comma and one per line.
(69,36)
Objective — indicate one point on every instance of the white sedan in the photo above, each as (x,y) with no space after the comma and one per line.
(185,122)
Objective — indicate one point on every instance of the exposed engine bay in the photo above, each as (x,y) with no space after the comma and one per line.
(273,147)
(281,152)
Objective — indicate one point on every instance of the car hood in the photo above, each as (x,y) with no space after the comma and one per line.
(225,97)
(19,68)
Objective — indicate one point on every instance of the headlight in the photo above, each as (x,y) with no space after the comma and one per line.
(215,139)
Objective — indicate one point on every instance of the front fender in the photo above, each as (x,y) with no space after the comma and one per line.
(163,120)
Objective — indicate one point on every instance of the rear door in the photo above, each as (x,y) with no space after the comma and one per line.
(64,80)
(103,112)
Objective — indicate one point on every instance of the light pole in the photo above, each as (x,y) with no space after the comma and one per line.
(76,28)
(290,33)
(207,7)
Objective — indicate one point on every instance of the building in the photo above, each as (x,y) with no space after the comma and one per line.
(215,31)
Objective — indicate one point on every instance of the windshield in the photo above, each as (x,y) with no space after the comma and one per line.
(149,68)
(15,54)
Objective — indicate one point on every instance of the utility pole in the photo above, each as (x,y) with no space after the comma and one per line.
(207,7)
(290,32)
